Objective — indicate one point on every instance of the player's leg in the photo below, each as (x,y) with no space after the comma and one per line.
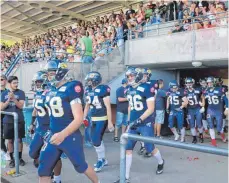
(35,147)
(219,125)
(8,131)
(124,123)
(180,124)
(98,130)
(72,146)
(205,122)
(57,172)
(210,117)
(147,131)
(191,119)
(159,120)
(118,124)
(199,125)
(50,155)
(171,125)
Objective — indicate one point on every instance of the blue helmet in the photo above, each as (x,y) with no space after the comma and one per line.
(62,73)
(52,65)
(39,80)
(189,82)
(137,72)
(210,80)
(173,84)
(93,79)
(147,72)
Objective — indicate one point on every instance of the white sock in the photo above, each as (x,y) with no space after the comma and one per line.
(200,130)
(142,144)
(174,130)
(212,133)
(100,150)
(57,179)
(157,155)
(205,124)
(193,131)
(224,122)
(128,165)
(182,131)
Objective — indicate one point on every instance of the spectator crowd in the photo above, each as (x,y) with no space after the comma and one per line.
(111,31)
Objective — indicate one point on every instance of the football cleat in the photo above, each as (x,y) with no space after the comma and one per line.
(201,138)
(194,141)
(126,181)
(213,141)
(141,150)
(176,137)
(182,139)
(147,155)
(160,168)
(224,139)
(100,164)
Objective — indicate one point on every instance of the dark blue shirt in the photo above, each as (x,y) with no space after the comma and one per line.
(160,99)
(121,106)
(225,99)
(19,95)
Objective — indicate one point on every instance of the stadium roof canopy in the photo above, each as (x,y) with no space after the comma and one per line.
(20,19)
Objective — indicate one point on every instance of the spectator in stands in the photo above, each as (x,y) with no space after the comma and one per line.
(86,54)
(3,145)
(162,9)
(148,12)
(198,20)
(129,11)
(171,11)
(178,28)
(160,108)
(140,14)
(122,109)
(12,100)
(120,38)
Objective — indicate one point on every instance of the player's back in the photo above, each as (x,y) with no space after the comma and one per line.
(59,104)
(94,97)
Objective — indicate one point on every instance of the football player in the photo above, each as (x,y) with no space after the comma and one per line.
(176,102)
(141,106)
(195,108)
(98,101)
(203,87)
(66,116)
(214,96)
(147,73)
(40,117)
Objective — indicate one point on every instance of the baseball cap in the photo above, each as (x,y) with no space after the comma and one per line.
(124,81)
(3,76)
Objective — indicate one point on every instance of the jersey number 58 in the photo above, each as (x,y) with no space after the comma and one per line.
(56,108)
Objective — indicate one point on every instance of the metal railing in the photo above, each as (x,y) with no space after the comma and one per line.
(16,146)
(169,143)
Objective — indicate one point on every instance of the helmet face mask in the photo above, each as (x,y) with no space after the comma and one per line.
(93,79)
(134,76)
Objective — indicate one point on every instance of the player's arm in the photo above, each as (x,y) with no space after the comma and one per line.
(150,108)
(167,104)
(184,102)
(107,103)
(202,100)
(122,99)
(86,109)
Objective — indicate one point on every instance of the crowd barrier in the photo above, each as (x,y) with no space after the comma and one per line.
(193,147)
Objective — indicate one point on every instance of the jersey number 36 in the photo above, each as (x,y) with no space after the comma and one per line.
(135,102)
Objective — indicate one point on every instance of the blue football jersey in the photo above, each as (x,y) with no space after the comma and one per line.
(154,84)
(194,97)
(214,98)
(137,98)
(94,97)
(58,103)
(175,99)
(42,113)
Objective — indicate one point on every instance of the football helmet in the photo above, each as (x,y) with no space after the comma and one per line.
(93,79)
(136,74)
